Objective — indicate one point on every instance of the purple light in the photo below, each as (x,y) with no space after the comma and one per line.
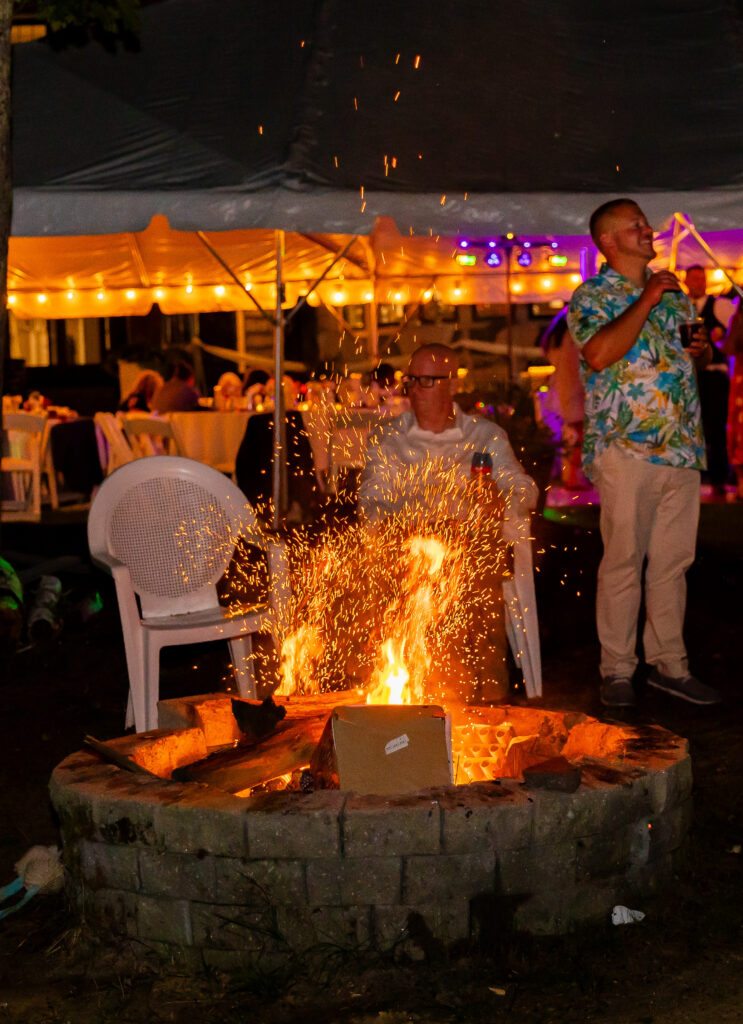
(464,244)
(493,259)
(527,245)
(492,244)
(554,244)
(524,259)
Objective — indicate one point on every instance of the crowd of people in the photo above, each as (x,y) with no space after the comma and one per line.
(255,390)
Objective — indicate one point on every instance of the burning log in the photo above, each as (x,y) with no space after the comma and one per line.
(253,762)
(257,719)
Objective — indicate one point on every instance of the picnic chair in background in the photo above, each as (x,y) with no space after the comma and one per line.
(119,450)
(166,530)
(26,458)
(150,435)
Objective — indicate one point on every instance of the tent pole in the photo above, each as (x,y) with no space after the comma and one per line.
(240,339)
(673,259)
(509,316)
(279,426)
(695,234)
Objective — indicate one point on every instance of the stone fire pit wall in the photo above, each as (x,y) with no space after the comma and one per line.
(220,881)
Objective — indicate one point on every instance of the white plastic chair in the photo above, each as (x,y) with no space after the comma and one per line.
(166,529)
(27,459)
(150,435)
(119,450)
(522,625)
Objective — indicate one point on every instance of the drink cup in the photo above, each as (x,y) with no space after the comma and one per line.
(687,330)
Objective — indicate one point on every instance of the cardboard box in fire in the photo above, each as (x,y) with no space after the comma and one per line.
(384,749)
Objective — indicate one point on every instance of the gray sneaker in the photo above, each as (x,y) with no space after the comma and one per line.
(686,687)
(617,692)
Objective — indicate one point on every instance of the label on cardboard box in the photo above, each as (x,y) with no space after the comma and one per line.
(399,743)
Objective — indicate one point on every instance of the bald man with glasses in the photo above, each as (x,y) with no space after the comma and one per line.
(418,470)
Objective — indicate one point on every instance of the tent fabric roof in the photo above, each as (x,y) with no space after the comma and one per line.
(320,115)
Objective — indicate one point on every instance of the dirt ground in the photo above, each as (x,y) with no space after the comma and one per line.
(683,963)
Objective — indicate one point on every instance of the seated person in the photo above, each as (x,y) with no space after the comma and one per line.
(139,398)
(254,388)
(230,388)
(178,393)
(419,467)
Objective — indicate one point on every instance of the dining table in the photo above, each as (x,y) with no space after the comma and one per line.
(214,436)
(210,436)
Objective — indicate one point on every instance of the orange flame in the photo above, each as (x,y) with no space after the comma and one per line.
(427,592)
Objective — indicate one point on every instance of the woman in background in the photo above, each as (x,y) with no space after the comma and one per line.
(140,397)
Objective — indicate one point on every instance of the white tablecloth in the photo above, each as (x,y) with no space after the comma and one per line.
(211,437)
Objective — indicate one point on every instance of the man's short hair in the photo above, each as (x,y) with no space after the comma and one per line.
(695,266)
(602,214)
(436,349)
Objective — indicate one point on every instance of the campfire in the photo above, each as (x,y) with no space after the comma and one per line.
(383,618)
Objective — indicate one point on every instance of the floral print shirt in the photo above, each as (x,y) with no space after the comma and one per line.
(648,401)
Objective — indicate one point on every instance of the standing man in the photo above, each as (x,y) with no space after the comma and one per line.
(714,379)
(644,449)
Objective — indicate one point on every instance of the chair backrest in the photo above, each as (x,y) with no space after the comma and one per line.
(119,449)
(149,435)
(173,523)
(31,449)
(28,422)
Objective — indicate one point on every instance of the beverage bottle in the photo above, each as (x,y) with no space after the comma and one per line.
(481,468)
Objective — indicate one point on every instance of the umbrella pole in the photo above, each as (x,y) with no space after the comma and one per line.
(279,426)
(509,316)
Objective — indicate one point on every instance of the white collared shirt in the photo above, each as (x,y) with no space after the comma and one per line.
(408,467)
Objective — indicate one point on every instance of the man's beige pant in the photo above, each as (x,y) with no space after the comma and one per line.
(646,511)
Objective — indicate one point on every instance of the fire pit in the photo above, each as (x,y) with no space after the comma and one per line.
(215,879)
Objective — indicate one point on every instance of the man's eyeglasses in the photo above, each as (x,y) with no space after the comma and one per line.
(423,380)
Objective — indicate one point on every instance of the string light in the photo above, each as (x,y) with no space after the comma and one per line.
(131,294)
(12,299)
(70,294)
(41,297)
(101,295)
(219,290)
(189,289)
(159,293)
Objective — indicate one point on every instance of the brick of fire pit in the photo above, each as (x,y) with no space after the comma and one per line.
(555,773)
(217,881)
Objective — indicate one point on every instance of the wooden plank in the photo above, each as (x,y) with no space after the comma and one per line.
(289,747)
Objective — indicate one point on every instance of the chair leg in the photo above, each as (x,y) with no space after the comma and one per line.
(129,720)
(151,682)
(142,662)
(243,663)
(51,478)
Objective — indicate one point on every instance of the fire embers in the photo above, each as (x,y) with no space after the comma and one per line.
(403,611)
